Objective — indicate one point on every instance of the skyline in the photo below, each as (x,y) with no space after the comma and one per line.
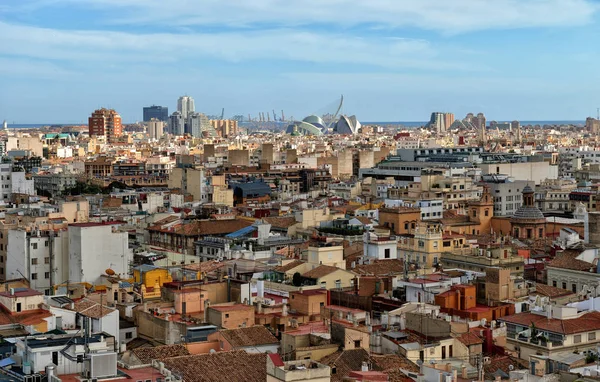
(393,61)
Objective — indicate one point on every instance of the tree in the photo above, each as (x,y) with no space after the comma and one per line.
(297,279)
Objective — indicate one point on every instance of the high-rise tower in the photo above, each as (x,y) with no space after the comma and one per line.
(185,105)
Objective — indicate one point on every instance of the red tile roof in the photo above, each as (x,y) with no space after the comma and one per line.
(235,366)
(146,355)
(585,323)
(469,339)
(251,336)
(320,271)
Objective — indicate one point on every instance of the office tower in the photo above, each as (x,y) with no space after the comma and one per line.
(176,124)
(161,113)
(105,123)
(155,128)
(185,105)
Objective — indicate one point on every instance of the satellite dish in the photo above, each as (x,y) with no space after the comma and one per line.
(110,272)
(511,367)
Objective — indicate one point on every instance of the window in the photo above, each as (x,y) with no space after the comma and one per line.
(357,344)
(421,244)
(128,335)
(574,288)
(46,260)
(46,243)
(226,315)
(34,276)
(47,275)
(34,261)
(387,253)
(554,283)
(435,244)
(34,245)
(487,212)
(541,233)
(435,260)
(591,336)
(564,285)
(577,339)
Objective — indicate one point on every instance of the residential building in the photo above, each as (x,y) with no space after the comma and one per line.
(105,123)
(155,128)
(552,330)
(14,181)
(95,248)
(552,195)
(481,259)
(298,371)
(231,316)
(380,247)
(326,253)
(40,255)
(506,192)
(252,339)
(54,184)
(425,246)
(225,128)
(399,220)
(176,124)
(328,277)
(576,270)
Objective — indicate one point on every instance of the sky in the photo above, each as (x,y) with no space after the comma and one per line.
(393,60)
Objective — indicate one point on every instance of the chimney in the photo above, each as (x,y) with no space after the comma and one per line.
(284,311)
(364,367)
(463,371)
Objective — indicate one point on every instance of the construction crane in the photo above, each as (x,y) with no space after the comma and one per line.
(282,116)
(222,114)
(249,119)
(274,116)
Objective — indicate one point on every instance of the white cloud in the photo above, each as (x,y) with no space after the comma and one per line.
(109,48)
(453,16)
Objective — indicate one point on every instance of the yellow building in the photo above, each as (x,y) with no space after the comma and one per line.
(425,248)
(150,275)
(329,277)
(326,254)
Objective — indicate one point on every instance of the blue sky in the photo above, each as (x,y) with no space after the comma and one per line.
(394,60)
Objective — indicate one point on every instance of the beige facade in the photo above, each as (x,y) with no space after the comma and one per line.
(327,255)
(190,181)
(239,157)
(75,211)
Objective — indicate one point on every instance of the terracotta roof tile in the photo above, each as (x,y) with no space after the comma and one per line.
(281,222)
(550,291)
(235,366)
(320,271)
(289,266)
(469,339)
(380,268)
(567,260)
(146,355)
(585,323)
(251,336)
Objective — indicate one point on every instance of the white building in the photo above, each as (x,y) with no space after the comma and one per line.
(431,209)
(14,182)
(380,247)
(39,256)
(69,316)
(185,105)
(96,247)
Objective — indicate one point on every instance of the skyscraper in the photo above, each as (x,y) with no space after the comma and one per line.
(105,123)
(176,124)
(155,128)
(196,123)
(159,112)
(185,105)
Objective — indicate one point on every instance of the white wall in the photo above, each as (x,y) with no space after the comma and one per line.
(93,248)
